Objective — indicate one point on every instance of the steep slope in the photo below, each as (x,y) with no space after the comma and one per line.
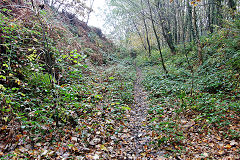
(55,102)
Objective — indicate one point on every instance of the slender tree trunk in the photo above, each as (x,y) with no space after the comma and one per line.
(157,38)
(146,29)
(52,3)
(90,11)
(196,37)
(210,19)
(166,31)
(184,23)
(140,36)
(190,67)
(175,30)
(232,4)
(212,15)
(194,22)
(218,13)
(189,20)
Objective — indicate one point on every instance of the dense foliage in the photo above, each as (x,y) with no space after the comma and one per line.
(49,86)
(196,99)
(168,91)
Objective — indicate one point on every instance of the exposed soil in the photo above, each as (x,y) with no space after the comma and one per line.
(139,135)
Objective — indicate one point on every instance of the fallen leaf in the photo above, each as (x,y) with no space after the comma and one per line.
(218,138)
(143,154)
(18,137)
(4,127)
(221,152)
(205,154)
(102,147)
(228,146)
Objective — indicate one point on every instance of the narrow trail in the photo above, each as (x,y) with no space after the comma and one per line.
(138,115)
(139,133)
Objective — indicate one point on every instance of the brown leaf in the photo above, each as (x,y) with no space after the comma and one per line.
(4,127)
(221,152)
(18,137)
(219,138)
(228,146)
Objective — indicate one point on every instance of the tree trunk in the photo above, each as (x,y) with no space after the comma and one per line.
(157,38)
(232,4)
(218,13)
(175,30)
(196,37)
(90,11)
(140,36)
(146,29)
(166,31)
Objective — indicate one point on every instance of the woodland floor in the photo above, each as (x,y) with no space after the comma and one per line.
(138,137)
(103,136)
(138,134)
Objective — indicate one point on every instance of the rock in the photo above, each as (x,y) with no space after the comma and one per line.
(65,156)
(23,150)
(85,149)
(110,149)
(189,124)
(80,157)
(140,135)
(233,143)
(74,139)
(38,145)
(44,152)
(96,156)
(95,141)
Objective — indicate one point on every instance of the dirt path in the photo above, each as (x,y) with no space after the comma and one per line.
(138,136)
(137,123)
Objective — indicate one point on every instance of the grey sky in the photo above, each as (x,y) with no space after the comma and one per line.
(97,18)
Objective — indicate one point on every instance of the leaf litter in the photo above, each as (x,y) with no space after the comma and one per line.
(110,129)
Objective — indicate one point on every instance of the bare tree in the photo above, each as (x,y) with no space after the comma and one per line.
(157,37)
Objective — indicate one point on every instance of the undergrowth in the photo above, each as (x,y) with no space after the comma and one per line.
(205,98)
(50,86)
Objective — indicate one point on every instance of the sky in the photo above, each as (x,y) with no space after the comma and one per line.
(96,17)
